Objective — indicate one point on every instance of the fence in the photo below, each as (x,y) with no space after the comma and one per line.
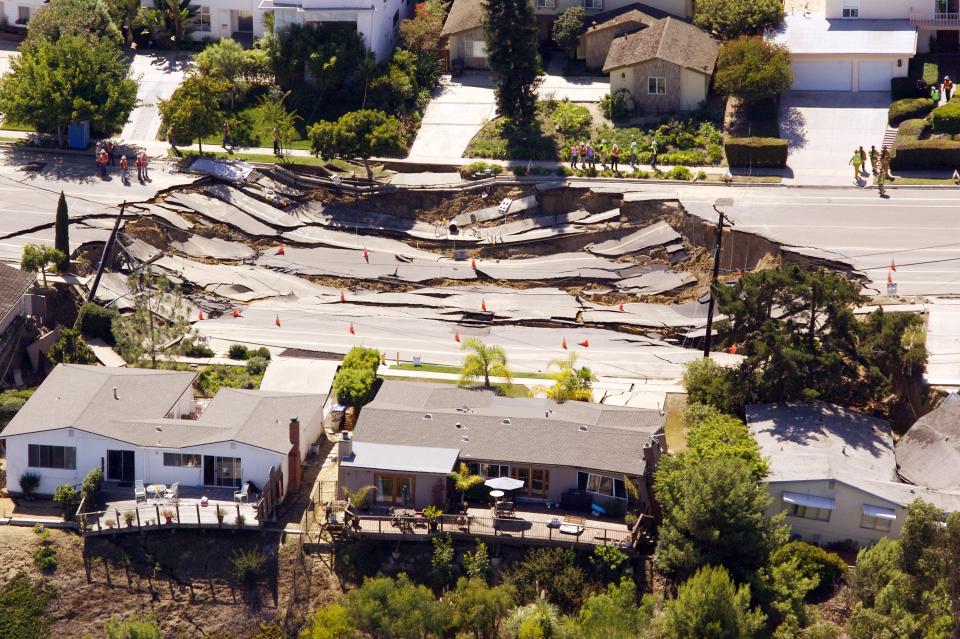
(164,516)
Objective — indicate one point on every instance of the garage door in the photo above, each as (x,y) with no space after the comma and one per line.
(875,76)
(822,76)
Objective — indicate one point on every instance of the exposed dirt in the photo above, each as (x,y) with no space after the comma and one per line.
(428,206)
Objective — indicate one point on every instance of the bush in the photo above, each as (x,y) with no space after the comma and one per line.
(680,173)
(911,130)
(471,170)
(247,566)
(903,88)
(192,349)
(553,570)
(218,376)
(572,120)
(263,353)
(360,357)
(96,321)
(45,558)
(28,483)
(908,109)
(926,154)
(11,401)
(691,157)
(352,386)
(132,628)
(946,119)
(618,105)
(756,152)
(814,561)
(256,365)
(91,484)
(238,351)
(66,496)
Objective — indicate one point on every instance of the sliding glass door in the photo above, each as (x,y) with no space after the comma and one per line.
(222,471)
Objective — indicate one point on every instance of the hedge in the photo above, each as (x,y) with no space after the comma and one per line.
(908,109)
(946,119)
(926,154)
(756,152)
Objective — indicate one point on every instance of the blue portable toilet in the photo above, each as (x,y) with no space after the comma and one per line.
(78,135)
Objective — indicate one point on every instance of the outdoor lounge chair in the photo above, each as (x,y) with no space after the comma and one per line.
(139,491)
(242,494)
(172,493)
(572,526)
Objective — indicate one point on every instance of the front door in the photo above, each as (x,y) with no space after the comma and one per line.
(120,465)
(244,22)
(536,481)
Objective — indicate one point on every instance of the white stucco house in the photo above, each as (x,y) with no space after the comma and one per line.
(18,12)
(833,472)
(140,424)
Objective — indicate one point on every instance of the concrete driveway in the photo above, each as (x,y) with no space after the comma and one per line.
(159,75)
(8,50)
(456,114)
(824,127)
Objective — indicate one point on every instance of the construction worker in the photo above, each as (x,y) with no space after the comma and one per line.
(881,181)
(885,162)
(615,157)
(874,160)
(947,87)
(855,162)
(633,152)
(124,169)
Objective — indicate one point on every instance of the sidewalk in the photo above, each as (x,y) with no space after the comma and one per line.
(532,382)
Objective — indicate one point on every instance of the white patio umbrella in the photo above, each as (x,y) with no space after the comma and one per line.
(504,483)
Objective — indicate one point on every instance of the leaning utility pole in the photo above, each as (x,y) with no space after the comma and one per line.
(716,270)
(107,250)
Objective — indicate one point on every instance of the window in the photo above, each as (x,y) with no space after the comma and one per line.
(477,48)
(808,512)
(39,456)
(546,4)
(181,459)
(222,471)
(602,485)
(23,15)
(203,19)
(489,471)
(394,489)
(656,86)
(877,518)
(593,4)
(851,8)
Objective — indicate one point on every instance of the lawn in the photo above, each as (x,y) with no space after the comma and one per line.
(9,125)
(912,181)
(257,157)
(247,130)
(506,390)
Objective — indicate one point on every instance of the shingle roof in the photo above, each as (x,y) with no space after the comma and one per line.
(13,284)
(260,418)
(635,12)
(83,397)
(669,39)
(929,454)
(510,430)
(464,15)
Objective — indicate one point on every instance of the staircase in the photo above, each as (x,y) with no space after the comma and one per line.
(889,136)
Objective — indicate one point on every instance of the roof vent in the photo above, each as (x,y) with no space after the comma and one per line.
(583,429)
(506,422)
(427,416)
(115,394)
(465,438)
(459,425)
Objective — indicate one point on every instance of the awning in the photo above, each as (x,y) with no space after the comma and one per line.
(811,501)
(879,512)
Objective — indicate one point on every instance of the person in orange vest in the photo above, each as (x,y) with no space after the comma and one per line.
(102,162)
(947,87)
(124,166)
(139,163)
(145,160)
(615,157)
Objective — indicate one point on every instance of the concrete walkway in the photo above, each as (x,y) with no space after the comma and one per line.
(457,113)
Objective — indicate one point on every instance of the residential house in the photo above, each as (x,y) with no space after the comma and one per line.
(929,453)
(16,299)
(141,424)
(666,66)
(18,12)
(464,25)
(860,45)
(412,435)
(833,472)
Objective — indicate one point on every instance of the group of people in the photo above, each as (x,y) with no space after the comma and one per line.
(105,156)
(943,89)
(879,165)
(588,155)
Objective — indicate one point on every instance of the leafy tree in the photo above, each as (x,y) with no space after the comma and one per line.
(753,69)
(157,323)
(553,571)
(71,348)
(512,38)
(359,134)
(97,321)
(785,586)
(273,113)
(570,382)
(707,383)
(483,361)
(422,31)
(710,605)
(62,232)
(479,609)
(464,480)
(614,613)
(330,622)
(828,568)
(396,608)
(333,54)
(87,19)
(893,345)
(193,111)
(124,14)
(442,562)
(170,21)
(567,28)
(11,401)
(223,60)
(714,513)
(476,563)
(362,357)
(608,561)
(353,386)
(133,628)
(37,257)
(729,19)
(52,84)
(712,434)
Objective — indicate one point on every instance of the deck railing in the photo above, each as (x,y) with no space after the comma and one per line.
(152,517)
(935,19)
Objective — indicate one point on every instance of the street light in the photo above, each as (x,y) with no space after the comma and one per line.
(724,201)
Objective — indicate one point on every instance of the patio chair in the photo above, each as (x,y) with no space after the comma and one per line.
(506,509)
(241,495)
(572,525)
(139,491)
(172,493)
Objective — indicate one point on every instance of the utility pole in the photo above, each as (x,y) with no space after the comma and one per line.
(716,270)
(107,251)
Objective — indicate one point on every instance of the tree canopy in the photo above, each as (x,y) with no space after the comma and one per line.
(87,19)
(513,41)
(157,325)
(359,134)
(52,84)
(567,28)
(37,257)
(753,69)
(396,609)
(709,604)
(422,31)
(62,232)
(482,362)
(71,348)
(729,19)
(193,111)
(615,613)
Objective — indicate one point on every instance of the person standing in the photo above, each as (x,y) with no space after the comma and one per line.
(947,87)
(885,162)
(574,150)
(863,159)
(591,158)
(856,161)
(633,153)
(110,151)
(104,160)
(881,182)
(583,154)
(226,134)
(139,163)
(145,160)
(874,159)
(276,141)
(615,157)
(935,95)
(654,148)
(124,167)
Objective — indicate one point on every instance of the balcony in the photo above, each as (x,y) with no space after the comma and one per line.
(935,20)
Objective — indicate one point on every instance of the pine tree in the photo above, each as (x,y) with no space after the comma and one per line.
(512,39)
(62,232)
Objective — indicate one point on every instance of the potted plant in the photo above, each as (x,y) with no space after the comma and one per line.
(167,516)
(128,518)
(432,514)
(219,515)
(240,520)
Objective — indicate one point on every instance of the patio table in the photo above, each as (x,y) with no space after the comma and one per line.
(156,490)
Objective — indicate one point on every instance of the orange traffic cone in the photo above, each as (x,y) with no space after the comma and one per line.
(280,251)
(350,330)
(366,254)
(893,266)
(343,298)
(585,343)
(236,313)
(483,305)
(889,277)
(200,315)
(456,337)
(563,344)
(473,263)
(276,320)
(620,308)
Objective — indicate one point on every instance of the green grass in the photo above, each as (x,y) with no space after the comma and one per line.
(249,131)
(507,390)
(455,370)
(256,157)
(9,125)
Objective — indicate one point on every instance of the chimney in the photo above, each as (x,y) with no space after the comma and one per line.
(345,447)
(116,395)
(294,458)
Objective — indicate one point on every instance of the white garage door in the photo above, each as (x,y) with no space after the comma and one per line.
(822,76)
(875,76)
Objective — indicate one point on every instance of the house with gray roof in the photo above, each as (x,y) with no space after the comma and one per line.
(412,435)
(143,424)
(833,472)
(929,453)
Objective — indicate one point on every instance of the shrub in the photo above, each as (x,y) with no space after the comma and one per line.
(814,561)
(680,173)
(192,349)
(238,351)
(477,563)
(691,157)
(263,353)
(360,357)
(28,483)
(553,570)
(946,119)
(443,559)
(132,628)
(608,561)
(353,386)
(926,154)
(97,321)
(45,558)
(618,105)
(756,152)
(903,88)
(218,376)
(256,365)
(247,566)
(66,496)
(908,109)
(572,120)
(23,605)
(11,401)
(911,130)
(471,170)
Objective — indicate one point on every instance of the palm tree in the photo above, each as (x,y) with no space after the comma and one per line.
(572,383)
(483,361)
(464,480)
(356,498)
